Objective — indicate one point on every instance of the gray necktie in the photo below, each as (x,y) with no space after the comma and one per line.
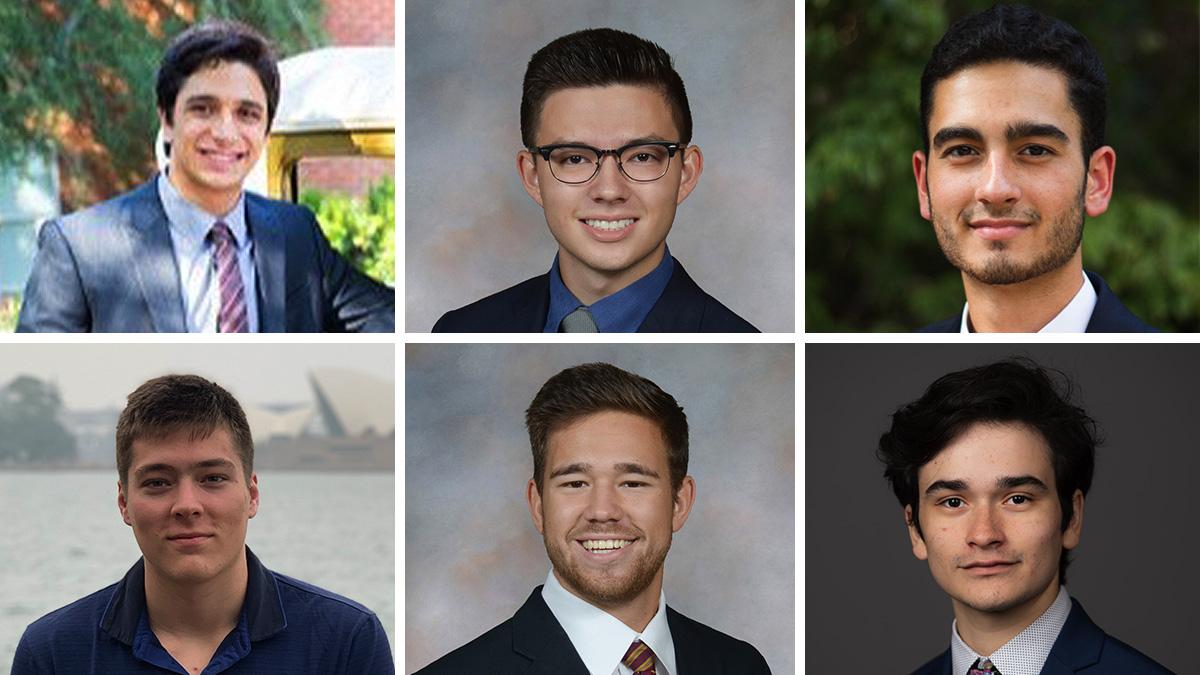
(579,321)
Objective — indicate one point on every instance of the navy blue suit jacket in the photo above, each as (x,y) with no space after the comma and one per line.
(1081,647)
(1109,316)
(532,642)
(111,268)
(682,308)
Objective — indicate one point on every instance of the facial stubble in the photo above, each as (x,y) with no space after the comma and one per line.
(606,589)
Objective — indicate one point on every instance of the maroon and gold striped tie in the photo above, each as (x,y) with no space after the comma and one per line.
(640,659)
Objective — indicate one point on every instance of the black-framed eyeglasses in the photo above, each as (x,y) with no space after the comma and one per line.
(641,162)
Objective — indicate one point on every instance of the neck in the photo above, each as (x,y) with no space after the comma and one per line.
(1023,307)
(635,612)
(216,203)
(985,632)
(196,610)
(590,285)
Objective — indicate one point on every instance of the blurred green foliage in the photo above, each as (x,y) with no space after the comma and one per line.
(873,264)
(363,230)
(96,63)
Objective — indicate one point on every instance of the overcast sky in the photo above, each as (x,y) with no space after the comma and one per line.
(101,376)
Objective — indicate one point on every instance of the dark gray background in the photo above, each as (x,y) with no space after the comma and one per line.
(1135,569)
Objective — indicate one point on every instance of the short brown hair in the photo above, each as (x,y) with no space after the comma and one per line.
(172,404)
(596,387)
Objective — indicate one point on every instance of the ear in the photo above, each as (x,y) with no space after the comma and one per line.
(253,485)
(918,543)
(123,505)
(527,168)
(168,130)
(685,496)
(1101,171)
(535,505)
(1074,531)
(693,166)
(920,167)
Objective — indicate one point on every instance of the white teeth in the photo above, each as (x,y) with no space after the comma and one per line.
(605,544)
(609,224)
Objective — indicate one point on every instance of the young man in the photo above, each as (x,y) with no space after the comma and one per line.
(991,466)
(606,128)
(190,251)
(1012,114)
(609,488)
(198,601)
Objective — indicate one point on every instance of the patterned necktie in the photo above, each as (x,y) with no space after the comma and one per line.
(232,316)
(983,667)
(640,659)
(579,321)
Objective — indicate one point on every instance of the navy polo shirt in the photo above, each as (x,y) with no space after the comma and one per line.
(286,626)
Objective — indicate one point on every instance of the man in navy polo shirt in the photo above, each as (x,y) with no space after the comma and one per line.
(198,602)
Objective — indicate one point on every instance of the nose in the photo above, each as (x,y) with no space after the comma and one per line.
(608,185)
(986,530)
(999,186)
(187,500)
(225,126)
(604,504)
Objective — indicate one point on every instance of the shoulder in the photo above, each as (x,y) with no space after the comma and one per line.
(1128,660)
(493,649)
(278,208)
(951,325)
(334,610)
(111,213)
(684,306)
(938,665)
(1082,644)
(67,627)
(700,644)
(1110,315)
(500,311)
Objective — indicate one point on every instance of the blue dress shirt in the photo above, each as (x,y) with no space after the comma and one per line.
(286,626)
(621,312)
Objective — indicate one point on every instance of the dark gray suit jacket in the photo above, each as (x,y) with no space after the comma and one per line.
(111,268)
(532,642)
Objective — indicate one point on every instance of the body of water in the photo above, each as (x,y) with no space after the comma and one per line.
(62,537)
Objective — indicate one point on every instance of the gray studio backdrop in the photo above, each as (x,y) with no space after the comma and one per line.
(1134,571)
(472,554)
(471,230)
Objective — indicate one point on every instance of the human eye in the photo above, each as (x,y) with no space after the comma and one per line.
(574,484)
(154,483)
(251,114)
(634,483)
(960,151)
(1020,500)
(951,502)
(1037,151)
(215,479)
(200,107)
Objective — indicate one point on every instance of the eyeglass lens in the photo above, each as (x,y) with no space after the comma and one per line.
(639,162)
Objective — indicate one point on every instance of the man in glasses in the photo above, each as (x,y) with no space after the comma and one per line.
(607,130)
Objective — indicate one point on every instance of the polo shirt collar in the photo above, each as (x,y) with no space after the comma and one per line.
(621,312)
(262,611)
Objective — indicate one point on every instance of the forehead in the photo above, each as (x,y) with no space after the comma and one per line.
(180,449)
(606,438)
(986,451)
(991,96)
(224,79)
(605,116)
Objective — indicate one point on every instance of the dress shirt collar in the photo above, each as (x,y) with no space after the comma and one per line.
(1073,318)
(600,638)
(621,312)
(1026,653)
(190,223)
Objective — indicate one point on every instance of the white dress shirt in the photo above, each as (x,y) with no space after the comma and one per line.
(1027,652)
(1073,318)
(600,638)
(195,258)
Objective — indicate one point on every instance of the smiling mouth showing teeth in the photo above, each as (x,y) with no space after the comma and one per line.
(609,224)
(605,544)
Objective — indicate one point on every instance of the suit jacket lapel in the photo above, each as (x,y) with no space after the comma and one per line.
(269,264)
(688,657)
(1078,646)
(153,259)
(538,636)
(677,309)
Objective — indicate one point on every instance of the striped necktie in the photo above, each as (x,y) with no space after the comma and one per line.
(232,316)
(579,321)
(640,658)
(983,667)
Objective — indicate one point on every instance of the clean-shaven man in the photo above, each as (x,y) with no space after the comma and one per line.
(991,466)
(609,488)
(198,602)
(190,250)
(607,130)
(1013,106)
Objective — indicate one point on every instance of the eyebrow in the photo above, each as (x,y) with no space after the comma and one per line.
(653,138)
(169,468)
(622,467)
(209,98)
(1012,132)
(1003,482)
(947,134)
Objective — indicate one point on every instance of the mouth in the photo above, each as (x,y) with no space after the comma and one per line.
(222,156)
(997,229)
(608,229)
(189,538)
(990,567)
(604,548)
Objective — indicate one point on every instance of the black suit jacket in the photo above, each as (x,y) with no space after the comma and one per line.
(1109,316)
(682,308)
(1081,647)
(532,642)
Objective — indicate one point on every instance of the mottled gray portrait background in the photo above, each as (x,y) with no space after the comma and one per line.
(1134,570)
(471,230)
(472,553)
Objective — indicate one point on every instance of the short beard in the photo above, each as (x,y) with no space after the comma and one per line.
(606,590)
(1066,234)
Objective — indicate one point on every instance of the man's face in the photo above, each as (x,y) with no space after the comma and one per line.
(991,519)
(1004,183)
(606,509)
(629,221)
(220,125)
(188,503)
